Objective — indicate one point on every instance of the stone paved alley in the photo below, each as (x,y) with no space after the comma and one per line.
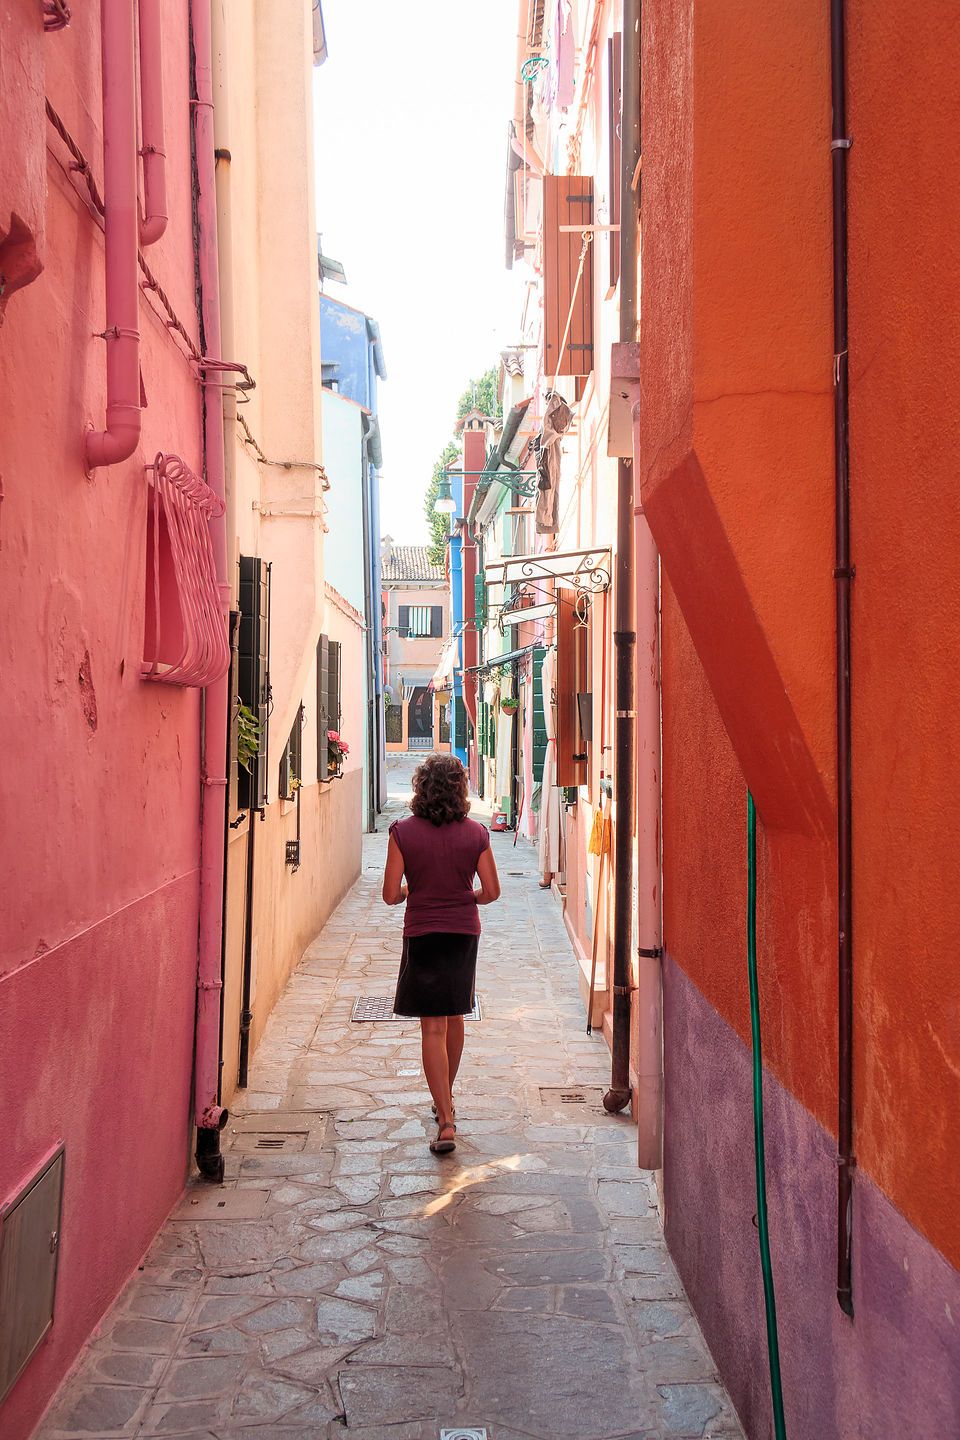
(347,1283)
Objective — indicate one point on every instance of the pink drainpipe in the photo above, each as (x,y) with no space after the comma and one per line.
(210,1117)
(154,220)
(122,333)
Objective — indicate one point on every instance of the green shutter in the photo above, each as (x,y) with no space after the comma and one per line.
(539,724)
(459,723)
(480,598)
(323,717)
(253,670)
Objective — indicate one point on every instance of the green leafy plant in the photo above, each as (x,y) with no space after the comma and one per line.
(249,730)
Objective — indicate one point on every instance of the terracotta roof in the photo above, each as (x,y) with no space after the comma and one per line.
(410,562)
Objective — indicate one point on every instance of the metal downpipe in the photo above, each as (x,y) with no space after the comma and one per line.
(624,633)
(209,1115)
(843,574)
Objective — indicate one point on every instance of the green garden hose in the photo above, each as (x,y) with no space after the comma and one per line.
(769,1300)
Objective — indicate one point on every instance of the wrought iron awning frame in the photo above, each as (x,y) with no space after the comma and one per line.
(523,481)
(589,571)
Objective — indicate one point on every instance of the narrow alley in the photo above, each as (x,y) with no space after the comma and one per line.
(346,1282)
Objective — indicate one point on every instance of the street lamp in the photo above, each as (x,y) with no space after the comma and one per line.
(444,503)
(524,482)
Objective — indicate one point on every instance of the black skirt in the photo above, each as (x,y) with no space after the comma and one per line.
(437,975)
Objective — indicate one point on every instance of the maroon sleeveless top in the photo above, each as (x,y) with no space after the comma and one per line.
(440,862)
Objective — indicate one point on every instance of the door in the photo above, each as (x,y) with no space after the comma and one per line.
(420,719)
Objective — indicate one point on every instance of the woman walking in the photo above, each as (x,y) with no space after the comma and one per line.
(439,851)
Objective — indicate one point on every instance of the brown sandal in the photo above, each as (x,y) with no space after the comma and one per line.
(441,1146)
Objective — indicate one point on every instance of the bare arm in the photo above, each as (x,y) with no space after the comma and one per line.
(489,880)
(393,892)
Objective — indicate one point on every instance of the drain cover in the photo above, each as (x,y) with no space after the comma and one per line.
(380,1007)
(286,1142)
(575,1096)
(472,1434)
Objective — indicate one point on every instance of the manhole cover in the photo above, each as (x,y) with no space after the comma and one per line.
(472,1434)
(380,1007)
(213,1202)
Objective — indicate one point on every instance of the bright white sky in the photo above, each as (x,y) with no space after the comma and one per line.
(412,107)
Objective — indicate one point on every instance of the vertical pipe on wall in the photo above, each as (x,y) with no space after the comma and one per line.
(370,599)
(121,435)
(222,157)
(154,221)
(649,1000)
(209,1116)
(843,573)
(624,633)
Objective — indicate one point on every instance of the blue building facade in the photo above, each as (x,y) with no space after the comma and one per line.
(353,366)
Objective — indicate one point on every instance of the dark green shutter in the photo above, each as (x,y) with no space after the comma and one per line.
(253,670)
(539,724)
(403,620)
(459,723)
(323,718)
(436,620)
(333,686)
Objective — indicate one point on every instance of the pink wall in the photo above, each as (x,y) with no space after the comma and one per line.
(100,817)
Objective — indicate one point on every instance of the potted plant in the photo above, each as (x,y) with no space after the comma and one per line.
(509,705)
(337,750)
(248,735)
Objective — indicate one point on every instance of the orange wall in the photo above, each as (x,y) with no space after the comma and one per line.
(737,482)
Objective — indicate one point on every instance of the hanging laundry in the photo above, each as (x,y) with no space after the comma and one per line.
(556,419)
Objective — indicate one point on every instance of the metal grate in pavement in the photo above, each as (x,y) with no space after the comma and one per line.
(285,1142)
(472,1434)
(580,1097)
(380,1007)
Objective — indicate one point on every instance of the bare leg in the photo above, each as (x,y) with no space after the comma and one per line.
(436,1066)
(454,1045)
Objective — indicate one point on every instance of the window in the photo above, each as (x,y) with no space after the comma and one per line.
(253,673)
(328,702)
(420,621)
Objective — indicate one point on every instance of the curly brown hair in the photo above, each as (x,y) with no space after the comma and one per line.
(440,790)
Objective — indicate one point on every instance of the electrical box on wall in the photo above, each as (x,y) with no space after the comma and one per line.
(29,1249)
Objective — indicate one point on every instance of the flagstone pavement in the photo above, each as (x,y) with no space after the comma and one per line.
(347,1284)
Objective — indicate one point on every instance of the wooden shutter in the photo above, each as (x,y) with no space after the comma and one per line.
(436,619)
(323,714)
(253,671)
(567,200)
(403,619)
(614,146)
(571,678)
